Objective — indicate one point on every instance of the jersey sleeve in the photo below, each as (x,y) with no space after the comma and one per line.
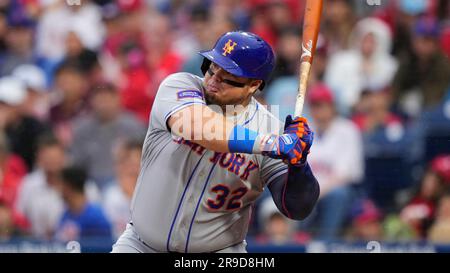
(175,93)
(272,169)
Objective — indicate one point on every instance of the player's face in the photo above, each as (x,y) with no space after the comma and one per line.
(223,88)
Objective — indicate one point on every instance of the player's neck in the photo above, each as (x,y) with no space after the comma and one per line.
(247,101)
(235,110)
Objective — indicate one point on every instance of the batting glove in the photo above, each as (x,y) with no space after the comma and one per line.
(293,145)
(300,127)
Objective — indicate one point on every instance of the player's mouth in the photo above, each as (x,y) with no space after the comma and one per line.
(213,88)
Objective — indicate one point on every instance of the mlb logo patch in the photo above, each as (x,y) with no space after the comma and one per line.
(189,94)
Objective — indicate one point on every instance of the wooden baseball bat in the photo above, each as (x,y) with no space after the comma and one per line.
(311,26)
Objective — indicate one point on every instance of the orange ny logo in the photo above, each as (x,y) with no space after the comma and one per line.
(229,46)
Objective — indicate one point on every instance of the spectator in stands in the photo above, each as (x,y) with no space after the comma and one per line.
(402,15)
(276,228)
(21,129)
(98,133)
(260,24)
(161,58)
(118,196)
(201,19)
(192,38)
(39,200)
(445,41)
(440,231)
(82,221)
(420,212)
(395,230)
(3,29)
(372,112)
(56,22)
(337,161)
(124,22)
(384,132)
(69,100)
(432,131)
(441,165)
(287,53)
(320,61)
(87,59)
(388,151)
(12,170)
(37,102)
(366,222)
(280,97)
(282,91)
(235,10)
(18,40)
(126,50)
(338,21)
(135,79)
(280,16)
(283,87)
(423,78)
(7,228)
(367,65)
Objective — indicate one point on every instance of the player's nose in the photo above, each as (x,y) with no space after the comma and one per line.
(215,78)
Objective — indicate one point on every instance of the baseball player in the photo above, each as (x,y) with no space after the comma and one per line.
(196,185)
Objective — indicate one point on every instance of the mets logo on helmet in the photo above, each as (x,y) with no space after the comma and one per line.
(229,46)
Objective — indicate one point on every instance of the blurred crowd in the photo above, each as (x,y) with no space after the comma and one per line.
(78,79)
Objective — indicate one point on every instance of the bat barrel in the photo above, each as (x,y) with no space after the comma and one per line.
(311,25)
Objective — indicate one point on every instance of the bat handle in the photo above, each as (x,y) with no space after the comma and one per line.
(305,69)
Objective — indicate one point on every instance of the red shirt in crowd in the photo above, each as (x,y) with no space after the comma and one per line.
(12,172)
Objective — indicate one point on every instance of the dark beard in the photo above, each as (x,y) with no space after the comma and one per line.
(208,99)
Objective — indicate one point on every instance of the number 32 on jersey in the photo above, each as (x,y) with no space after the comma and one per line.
(226,197)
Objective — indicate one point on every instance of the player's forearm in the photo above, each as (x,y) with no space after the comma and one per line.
(212,130)
(201,125)
(296,193)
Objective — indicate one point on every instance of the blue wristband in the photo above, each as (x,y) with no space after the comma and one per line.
(242,140)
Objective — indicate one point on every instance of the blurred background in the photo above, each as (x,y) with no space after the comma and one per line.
(78,79)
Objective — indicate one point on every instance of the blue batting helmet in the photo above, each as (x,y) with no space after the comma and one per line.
(242,54)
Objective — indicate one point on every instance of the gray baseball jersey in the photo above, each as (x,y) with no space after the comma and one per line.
(189,199)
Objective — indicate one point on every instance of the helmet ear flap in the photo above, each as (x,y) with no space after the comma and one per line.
(205,65)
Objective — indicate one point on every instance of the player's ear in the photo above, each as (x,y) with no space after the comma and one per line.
(254,85)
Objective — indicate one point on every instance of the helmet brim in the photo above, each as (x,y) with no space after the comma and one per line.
(226,63)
